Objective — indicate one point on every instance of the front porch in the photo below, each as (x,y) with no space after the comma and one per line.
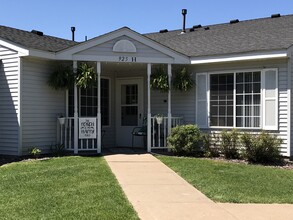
(122,96)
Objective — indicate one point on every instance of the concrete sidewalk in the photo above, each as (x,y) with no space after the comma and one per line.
(157,192)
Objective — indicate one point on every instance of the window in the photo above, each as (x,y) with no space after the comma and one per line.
(248,99)
(89,99)
(221,99)
(243,111)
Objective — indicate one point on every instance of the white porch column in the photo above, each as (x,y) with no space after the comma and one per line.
(99,141)
(75,111)
(169,98)
(66,117)
(149,135)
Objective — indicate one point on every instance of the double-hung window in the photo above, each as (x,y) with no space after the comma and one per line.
(241,99)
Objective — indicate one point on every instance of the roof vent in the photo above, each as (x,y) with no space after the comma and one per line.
(40,33)
(196,26)
(164,31)
(207,28)
(191,29)
(234,21)
(184,13)
(275,15)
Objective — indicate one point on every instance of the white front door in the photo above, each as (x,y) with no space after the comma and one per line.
(129,108)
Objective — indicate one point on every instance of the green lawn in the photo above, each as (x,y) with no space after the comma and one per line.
(62,188)
(237,183)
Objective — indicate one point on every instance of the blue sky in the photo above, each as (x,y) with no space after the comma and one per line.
(95,17)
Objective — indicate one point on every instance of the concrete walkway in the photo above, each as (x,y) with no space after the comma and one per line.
(157,192)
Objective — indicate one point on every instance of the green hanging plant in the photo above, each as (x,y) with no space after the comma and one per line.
(182,80)
(86,76)
(61,78)
(159,79)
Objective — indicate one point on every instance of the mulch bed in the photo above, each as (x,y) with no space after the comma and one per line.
(288,165)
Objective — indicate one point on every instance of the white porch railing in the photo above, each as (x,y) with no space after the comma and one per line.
(160,131)
(67,131)
(158,136)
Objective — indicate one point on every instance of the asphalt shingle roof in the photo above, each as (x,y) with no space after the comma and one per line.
(246,36)
(33,41)
(263,34)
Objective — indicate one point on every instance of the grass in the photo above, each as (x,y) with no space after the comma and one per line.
(62,188)
(236,183)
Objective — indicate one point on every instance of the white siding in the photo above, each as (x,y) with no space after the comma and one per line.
(41,105)
(9,101)
(282,67)
(291,75)
(106,49)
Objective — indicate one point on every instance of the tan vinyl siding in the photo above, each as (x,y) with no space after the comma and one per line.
(41,105)
(9,101)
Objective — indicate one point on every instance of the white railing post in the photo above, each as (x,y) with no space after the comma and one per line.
(75,111)
(149,137)
(99,133)
(66,117)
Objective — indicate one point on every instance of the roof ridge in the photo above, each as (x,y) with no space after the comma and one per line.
(220,24)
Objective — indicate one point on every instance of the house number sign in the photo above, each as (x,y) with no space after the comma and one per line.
(87,128)
(127,59)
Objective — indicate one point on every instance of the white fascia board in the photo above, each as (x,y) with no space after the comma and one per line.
(239,57)
(42,54)
(68,54)
(27,52)
(21,50)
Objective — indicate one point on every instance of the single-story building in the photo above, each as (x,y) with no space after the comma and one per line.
(242,70)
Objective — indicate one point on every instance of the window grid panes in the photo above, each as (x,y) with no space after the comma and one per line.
(247,87)
(221,99)
(248,97)
(89,100)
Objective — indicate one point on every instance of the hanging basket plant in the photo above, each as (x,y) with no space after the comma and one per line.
(182,80)
(86,76)
(61,78)
(159,79)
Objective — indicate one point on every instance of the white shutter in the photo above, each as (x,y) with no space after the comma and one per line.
(201,100)
(270,99)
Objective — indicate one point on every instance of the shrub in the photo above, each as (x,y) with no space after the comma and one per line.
(35,152)
(210,145)
(185,140)
(230,144)
(262,148)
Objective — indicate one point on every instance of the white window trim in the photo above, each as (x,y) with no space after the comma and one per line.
(234,98)
(110,106)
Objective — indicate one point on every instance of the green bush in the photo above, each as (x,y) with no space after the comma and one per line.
(35,152)
(230,144)
(262,148)
(185,140)
(210,146)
